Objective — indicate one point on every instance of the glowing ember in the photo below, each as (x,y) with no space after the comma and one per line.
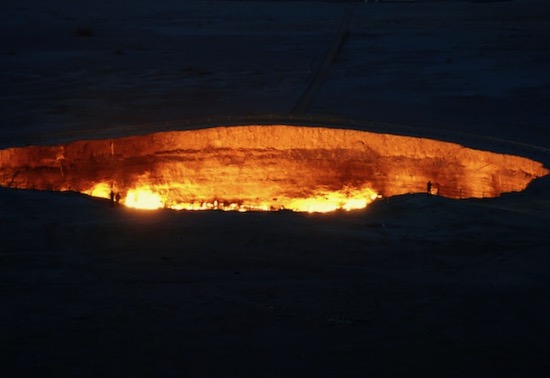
(265,168)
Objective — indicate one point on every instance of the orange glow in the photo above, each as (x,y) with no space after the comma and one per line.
(262,168)
(151,198)
(335,200)
(101,190)
(143,198)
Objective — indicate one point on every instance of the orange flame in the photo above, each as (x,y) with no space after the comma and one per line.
(151,197)
(143,198)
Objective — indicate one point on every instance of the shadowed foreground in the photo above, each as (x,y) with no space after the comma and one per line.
(424,284)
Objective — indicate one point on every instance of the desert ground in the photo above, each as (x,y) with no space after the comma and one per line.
(415,284)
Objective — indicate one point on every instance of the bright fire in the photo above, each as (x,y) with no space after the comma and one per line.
(149,198)
(276,167)
(143,198)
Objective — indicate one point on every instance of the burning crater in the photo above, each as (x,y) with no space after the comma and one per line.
(264,168)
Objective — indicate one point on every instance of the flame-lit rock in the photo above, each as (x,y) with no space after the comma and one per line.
(265,167)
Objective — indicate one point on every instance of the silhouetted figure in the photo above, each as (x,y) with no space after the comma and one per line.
(117,198)
(112,196)
(429,188)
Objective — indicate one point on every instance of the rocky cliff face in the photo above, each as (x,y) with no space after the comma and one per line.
(266,165)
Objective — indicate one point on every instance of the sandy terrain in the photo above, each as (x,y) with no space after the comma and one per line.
(421,285)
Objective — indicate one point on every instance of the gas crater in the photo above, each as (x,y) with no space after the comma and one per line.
(275,167)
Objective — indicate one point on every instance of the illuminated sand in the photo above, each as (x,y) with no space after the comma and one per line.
(265,168)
